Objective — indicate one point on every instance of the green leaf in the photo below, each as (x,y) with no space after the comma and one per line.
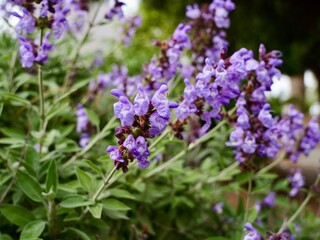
(93,117)
(1,108)
(75,201)
(32,229)
(96,210)
(52,177)
(29,186)
(114,204)
(253,214)
(85,180)
(93,166)
(113,214)
(5,237)
(81,234)
(12,133)
(120,193)
(16,99)
(16,214)
(33,158)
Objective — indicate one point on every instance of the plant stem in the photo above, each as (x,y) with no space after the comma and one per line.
(77,51)
(222,173)
(41,99)
(105,182)
(159,139)
(272,164)
(300,209)
(101,188)
(249,192)
(99,136)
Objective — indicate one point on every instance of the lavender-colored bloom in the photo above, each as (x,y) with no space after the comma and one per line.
(124,111)
(44,7)
(312,136)
(27,22)
(84,140)
(268,201)
(141,152)
(60,23)
(158,124)
(265,116)
(180,35)
(193,11)
(46,46)
(115,11)
(130,143)
(160,101)
(218,208)
(26,51)
(141,101)
(253,233)
(82,119)
(249,145)
(297,182)
(115,154)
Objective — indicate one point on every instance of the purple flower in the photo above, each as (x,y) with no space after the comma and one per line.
(60,23)
(115,154)
(27,22)
(193,11)
(123,109)
(115,11)
(297,182)
(265,116)
(46,46)
(268,201)
(141,152)
(44,7)
(249,145)
(158,124)
(218,208)
(130,143)
(82,119)
(84,140)
(253,233)
(141,102)
(26,51)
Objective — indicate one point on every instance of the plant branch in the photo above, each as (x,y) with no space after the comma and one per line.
(300,209)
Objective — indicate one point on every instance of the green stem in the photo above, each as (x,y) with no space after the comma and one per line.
(99,136)
(204,138)
(248,199)
(105,182)
(300,209)
(221,174)
(101,188)
(41,99)
(77,51)
(272,164)
(159,139)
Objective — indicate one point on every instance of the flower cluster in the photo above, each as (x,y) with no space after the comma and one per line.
(118,77)
(129,29)
(255,131)
(83,125)
(161,69)
(144,118)
(207,30)
(51,15)
(297,182)
(253,234)
(297,138)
